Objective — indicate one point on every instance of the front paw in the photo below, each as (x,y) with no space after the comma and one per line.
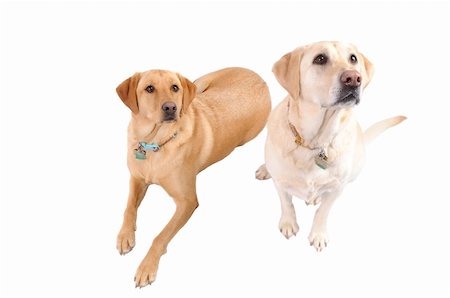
(146,273)
(288,226)
(125,241)
(318,239)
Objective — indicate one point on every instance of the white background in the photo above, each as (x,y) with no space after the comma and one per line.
(64,179)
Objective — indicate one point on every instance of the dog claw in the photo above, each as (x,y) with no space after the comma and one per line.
(318,240)
(288,227)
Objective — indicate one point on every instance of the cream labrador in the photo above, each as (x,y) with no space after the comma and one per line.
(177,129)
(315,145)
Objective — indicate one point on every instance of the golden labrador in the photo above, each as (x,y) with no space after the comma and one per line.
(177,129)
(314,144)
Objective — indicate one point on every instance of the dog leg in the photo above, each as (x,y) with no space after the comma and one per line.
(185,198)
(318,235)
(262,173)
(125,238)
(288,222)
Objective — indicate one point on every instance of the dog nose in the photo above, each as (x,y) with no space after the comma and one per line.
(351,78)
(169,107)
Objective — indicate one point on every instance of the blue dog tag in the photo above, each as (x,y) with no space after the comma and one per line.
(154,147)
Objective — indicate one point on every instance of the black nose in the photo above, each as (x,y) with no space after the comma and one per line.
(169,107)
(351,78)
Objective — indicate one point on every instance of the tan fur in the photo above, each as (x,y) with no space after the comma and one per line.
(316,113)
(229,109)
(377,128)
(127,92)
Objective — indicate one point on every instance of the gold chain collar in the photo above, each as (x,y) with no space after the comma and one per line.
(299,140)
(321,159)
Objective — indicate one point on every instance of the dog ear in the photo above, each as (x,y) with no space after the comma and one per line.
(287,72)
(127,92)
(189,90)
(367,71)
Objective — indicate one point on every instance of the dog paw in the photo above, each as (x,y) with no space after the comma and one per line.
(125,241)
(319,240)
(262,173)
(314,201)
(145,274)
(288,227)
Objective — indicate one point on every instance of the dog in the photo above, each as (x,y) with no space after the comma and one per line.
(177,129)
(314,144)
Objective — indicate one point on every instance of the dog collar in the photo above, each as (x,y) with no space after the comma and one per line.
(298,138)
(321,159)
(141,151)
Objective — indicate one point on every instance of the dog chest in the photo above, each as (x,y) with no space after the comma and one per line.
(301,177)
(312,184)
(156,166)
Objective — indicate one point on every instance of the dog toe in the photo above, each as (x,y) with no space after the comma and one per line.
(145,275)
(288,228)
(125,242)
(319,240)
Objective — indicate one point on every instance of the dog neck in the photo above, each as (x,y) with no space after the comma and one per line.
(143,129)
(316,125)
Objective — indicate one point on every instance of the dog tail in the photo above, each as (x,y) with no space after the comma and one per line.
(376,129)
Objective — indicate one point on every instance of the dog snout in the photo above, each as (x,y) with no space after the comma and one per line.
(169,107)
(351,78)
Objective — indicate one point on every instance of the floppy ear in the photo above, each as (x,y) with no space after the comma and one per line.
(188,93)
(287,72)
(127,92)
(367,71)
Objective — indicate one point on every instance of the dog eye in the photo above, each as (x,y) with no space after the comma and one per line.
(320,59)
(353,58)
(175,88)
(150,89)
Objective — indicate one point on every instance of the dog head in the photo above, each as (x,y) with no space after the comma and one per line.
(158,95)
(329,74)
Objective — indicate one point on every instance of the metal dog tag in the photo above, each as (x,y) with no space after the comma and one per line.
(140,154)
(321,160)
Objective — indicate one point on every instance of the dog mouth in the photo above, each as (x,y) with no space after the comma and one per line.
(169,118)
(348,98)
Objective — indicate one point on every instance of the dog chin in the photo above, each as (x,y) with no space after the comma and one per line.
(169,120)
(347,101)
